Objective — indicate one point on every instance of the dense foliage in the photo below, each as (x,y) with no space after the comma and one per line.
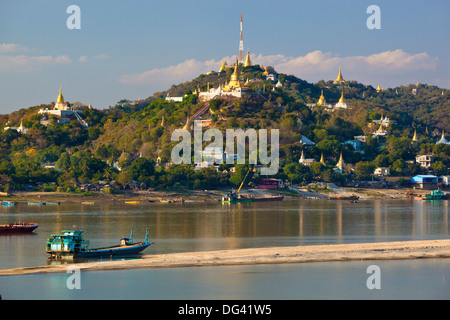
(130,144)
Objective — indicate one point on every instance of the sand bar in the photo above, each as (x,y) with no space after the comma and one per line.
(272,255)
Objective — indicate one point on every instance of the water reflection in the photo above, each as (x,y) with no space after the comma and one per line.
(213,226)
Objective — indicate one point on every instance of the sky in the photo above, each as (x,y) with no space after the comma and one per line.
(132,49)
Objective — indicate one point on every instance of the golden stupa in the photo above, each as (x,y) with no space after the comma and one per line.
(339,78)
(247,62)
(321,101)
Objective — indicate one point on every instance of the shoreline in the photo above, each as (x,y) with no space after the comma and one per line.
(207,195)
(272,255)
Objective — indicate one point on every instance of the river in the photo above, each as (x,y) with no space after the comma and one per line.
(175,227)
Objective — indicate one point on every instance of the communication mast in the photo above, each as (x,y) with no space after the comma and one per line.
(241,45)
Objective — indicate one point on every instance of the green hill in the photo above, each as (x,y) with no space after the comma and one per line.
(133,137)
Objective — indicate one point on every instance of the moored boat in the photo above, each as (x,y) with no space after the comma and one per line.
(9,203)
(435,195)
(36,203)
(19,227)
(274,198)
(344,198)
(71,244)
(234,197)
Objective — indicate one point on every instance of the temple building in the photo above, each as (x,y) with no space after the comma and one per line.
(443,140)
(340,165)
(380,131)
(62,107)
(305,162)
(341,104)
(235,87)
(21,129)
(340,78)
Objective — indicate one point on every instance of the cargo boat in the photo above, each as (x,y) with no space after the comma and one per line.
(70,244)
(19,227)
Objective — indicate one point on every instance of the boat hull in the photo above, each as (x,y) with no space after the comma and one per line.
(269,199)
(18,228)
(124,250)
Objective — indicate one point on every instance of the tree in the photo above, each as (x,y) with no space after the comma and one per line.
(297,172)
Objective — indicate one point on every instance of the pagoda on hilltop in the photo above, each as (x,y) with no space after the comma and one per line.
(340,78)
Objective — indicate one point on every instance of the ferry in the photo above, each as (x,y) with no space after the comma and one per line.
(18,227)
(70,244)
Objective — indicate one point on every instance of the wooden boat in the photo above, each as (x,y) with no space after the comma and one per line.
(20,227)
(274,198)
(132,202)
(36,203)
(344,198)
(87,202)
(70,244)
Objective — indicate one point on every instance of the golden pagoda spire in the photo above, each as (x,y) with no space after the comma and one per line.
(321,159)
(321,101)
(340,164)
(247,62)
(415,136)
(378,89)
(341,100)
(60,96)
(224,66)
(339,78)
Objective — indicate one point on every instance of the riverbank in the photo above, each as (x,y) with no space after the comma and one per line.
(323,192)
(276,255)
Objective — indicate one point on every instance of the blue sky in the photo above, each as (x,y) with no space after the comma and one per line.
(131,49)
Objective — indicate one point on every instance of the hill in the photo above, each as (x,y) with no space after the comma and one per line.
(132,141)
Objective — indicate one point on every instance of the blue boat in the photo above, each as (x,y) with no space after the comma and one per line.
(36,203)
(71,244)
(8,203)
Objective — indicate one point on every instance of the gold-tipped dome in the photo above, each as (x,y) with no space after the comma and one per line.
(60,97)
(247,62)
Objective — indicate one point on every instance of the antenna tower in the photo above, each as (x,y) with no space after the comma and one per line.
(241,45)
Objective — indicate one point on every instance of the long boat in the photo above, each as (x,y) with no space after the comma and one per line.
(18,227)
(273,198)
(344,198)
(36,203)
(70,244)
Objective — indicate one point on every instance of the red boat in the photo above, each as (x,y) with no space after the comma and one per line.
(20,227)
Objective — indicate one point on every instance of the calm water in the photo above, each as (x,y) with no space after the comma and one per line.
(199,226)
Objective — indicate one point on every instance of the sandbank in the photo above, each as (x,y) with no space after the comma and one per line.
(272,255)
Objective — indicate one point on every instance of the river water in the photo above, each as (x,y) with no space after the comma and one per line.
(213,226)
